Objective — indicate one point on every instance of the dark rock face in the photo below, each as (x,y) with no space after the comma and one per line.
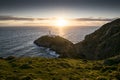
(62,46)
(101,44)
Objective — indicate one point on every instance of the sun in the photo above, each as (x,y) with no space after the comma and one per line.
(61,22)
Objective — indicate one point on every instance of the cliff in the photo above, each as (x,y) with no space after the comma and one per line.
(101,44)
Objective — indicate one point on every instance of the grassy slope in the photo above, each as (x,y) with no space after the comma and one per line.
(56,69)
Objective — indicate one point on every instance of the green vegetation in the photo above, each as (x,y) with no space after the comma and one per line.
(57,69)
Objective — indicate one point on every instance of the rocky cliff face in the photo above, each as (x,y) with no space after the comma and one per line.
(62,46)
(101,44)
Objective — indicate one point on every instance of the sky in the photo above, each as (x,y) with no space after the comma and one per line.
(41,12)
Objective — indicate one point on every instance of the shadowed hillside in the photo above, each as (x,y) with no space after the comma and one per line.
(101,44)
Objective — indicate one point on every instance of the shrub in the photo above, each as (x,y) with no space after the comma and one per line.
(10,58)
(115,74)
(27,78)
(112,61)
(26,66)
(64,65)
(108,68)
(101,78)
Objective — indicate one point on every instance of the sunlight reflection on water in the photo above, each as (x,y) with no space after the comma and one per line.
(19,41)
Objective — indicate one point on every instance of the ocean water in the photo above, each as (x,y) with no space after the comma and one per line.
(18,41)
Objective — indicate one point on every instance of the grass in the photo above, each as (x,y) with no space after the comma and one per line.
(57,69)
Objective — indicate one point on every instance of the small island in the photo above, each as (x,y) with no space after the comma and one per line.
(62,46)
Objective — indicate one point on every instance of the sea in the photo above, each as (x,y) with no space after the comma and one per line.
(18,41)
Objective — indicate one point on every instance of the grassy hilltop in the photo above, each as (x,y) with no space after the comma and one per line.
(58,69)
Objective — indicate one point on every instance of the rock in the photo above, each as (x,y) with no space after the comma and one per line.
(101,44)
(62,46)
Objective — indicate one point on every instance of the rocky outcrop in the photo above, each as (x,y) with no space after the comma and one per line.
(101,44)
(62,46)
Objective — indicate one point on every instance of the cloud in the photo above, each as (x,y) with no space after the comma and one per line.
(31,21)
(5,18)
(93,19)
(77,19)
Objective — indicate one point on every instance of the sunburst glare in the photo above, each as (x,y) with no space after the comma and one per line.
(61,22)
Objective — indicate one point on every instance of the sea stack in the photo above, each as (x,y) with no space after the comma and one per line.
(62,46)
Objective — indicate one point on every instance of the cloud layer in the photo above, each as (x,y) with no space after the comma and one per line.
(94,19)
(3,18)
(30,21)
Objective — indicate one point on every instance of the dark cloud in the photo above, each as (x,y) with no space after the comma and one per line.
(3,18)
(15,18)
(22,4)
(58,2)
(51,8)
(94,19)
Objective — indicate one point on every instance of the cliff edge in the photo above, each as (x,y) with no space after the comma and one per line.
(101,44)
